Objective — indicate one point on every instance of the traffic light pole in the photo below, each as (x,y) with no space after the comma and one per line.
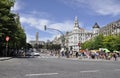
(62,45)
(45,28)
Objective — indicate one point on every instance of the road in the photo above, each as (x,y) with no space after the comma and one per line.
(58,68)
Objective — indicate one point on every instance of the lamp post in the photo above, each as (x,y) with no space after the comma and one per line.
(62,40)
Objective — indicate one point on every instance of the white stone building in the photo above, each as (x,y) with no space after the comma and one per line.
(78,35)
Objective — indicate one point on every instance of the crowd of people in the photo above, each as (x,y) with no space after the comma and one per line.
(88,54)
(101,55)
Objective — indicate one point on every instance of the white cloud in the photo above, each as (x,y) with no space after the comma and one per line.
(40,14)
(63,26)
(106,7)
(102,7)
(17,6)
(34,22)
(39,23)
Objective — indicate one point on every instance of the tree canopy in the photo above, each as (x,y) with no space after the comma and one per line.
(10,26)
(111,42)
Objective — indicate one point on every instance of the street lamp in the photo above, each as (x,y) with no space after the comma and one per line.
(62,40)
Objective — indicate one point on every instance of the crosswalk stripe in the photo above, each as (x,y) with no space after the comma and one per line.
(41,74)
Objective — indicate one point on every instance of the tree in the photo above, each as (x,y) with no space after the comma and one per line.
(10,26)
(98,42)
(108,42)
(116,44)
(94,43)
(87,45)
(28,46)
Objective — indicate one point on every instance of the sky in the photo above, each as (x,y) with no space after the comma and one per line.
(60,14)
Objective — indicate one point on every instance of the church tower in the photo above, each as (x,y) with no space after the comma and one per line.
(76,24)
(96,29)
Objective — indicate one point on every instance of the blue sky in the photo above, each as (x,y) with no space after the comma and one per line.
(60,14)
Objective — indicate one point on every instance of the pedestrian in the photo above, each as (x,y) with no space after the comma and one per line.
(62,53)
(76,54)
(71,53)
(115,56)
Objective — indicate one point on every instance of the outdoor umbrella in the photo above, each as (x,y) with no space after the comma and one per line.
(106,50)
(116,51)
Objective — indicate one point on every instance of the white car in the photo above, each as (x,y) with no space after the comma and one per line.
(35,53)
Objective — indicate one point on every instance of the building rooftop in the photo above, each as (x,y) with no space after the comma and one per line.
(96,25)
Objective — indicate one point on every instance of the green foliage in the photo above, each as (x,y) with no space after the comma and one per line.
(98,42)
(28,46)
(116,44)
(94,43)
(53,46)
(110,42)
(10,26)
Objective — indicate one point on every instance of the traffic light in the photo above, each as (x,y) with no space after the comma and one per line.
(45,27)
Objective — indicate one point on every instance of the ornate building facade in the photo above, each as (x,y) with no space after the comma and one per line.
(78,35)
(111,28)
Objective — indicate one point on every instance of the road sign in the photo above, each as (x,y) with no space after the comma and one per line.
(7,38)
